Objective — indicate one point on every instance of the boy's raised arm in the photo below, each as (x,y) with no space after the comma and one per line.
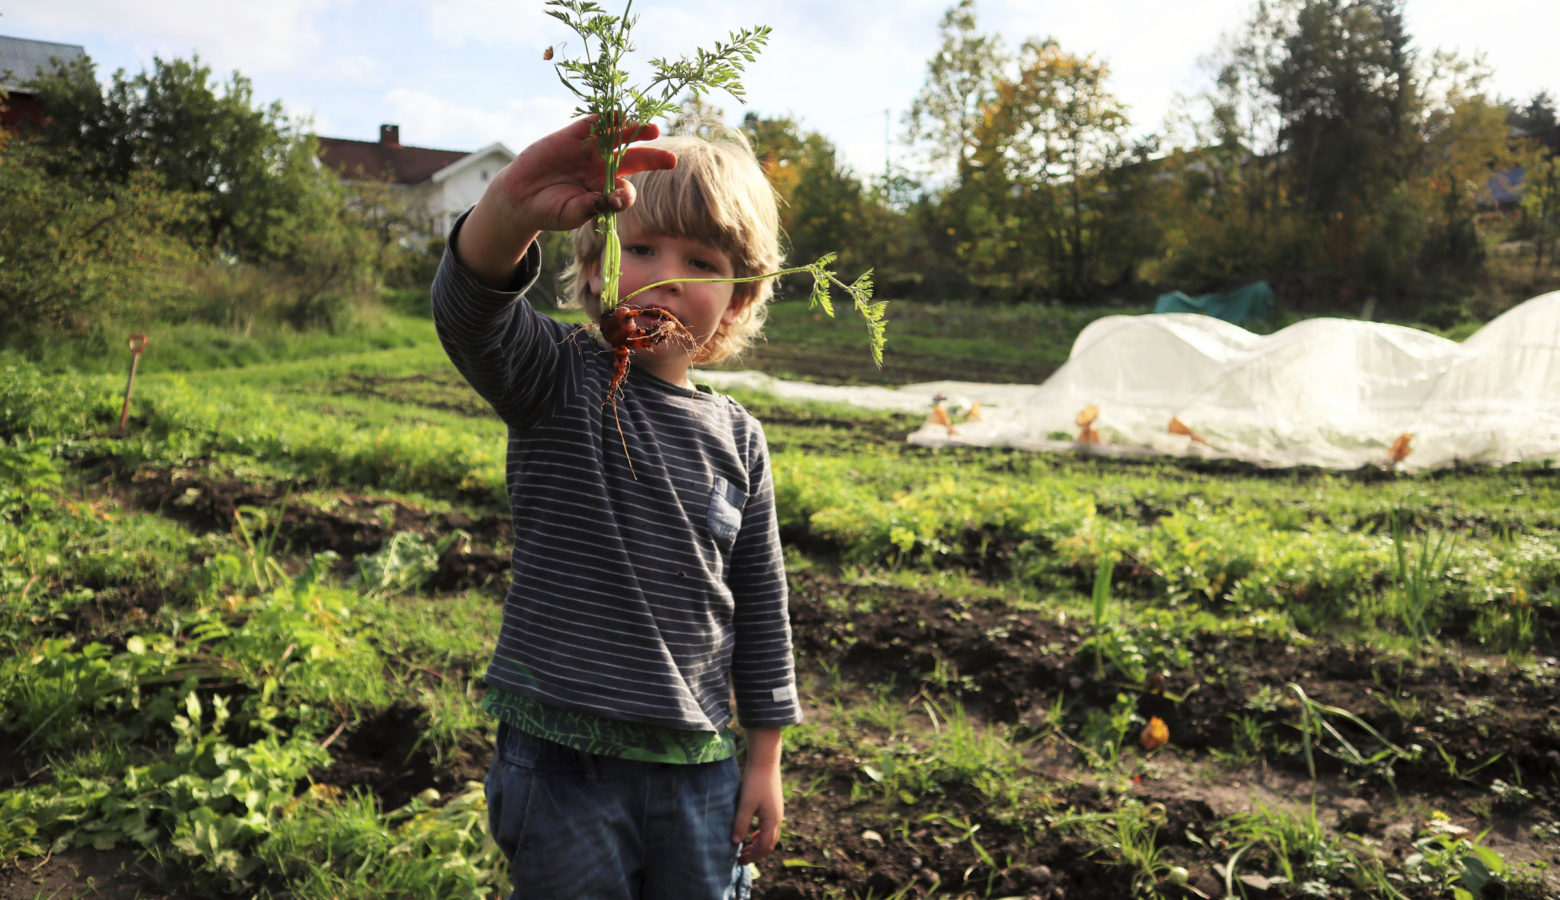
(554,184)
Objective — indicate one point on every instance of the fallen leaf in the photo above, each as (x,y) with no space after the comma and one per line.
(1400,448)
(1179,427)
(1155,734)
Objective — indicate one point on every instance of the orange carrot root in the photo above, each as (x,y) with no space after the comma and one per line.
(626,329)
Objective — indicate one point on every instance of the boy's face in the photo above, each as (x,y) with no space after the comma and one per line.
(649,257)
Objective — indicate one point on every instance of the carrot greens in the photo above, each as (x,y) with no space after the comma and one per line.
(598,79)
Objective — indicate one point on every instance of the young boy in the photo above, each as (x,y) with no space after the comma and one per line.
(648,584)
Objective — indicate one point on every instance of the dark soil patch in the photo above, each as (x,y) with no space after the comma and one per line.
(352,525)
(445,391)
(387,755)
(1013,666)
(16,769)
(80,874)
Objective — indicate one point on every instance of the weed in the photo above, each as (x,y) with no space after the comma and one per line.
(1248,740)
(1450,857)
(1128,836)
(1306,855)
(259,547)
(1316,726)
(1104,732)
(1420,580)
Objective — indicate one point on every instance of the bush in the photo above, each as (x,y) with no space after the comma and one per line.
(71,257)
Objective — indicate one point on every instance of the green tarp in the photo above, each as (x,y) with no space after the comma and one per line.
(1254,301)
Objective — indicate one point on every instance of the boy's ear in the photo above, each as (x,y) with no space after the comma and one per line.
(593,278)
(739,301)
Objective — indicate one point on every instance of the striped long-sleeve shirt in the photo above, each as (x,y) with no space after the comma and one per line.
(643,599)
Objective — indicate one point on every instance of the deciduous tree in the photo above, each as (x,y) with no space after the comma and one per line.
(960,85)
(251,167)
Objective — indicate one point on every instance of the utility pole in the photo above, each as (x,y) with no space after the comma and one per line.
(886,165)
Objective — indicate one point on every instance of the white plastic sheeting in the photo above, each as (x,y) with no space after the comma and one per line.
(1326,392)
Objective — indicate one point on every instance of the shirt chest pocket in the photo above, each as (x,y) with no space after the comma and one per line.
(725,512)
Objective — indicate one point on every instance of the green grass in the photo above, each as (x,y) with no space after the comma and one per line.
(245,655)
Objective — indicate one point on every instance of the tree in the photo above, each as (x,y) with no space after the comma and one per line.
(960,85)
(821,200)
(1363,166)
(1048,142)
(71,260)
(248,166)
(1541,204)
(1345,93)
(699,117)
(1537,118)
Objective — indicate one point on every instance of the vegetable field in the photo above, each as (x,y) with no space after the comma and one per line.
(240,644)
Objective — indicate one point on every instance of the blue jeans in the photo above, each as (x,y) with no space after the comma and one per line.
(580,827)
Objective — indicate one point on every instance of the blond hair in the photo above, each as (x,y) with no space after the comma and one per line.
(717,195)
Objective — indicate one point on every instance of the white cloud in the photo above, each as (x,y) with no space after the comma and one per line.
(249,37)
(357,69)
(516,27)
(428,120)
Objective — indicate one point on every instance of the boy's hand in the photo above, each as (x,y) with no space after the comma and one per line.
(555,184)
(761,797)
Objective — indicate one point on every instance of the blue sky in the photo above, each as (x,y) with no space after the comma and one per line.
(460,74)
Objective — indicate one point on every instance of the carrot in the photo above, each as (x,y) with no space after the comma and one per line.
(630,328)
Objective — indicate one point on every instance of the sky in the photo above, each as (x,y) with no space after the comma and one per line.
(462,74)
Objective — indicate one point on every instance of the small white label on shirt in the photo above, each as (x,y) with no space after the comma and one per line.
(785,694)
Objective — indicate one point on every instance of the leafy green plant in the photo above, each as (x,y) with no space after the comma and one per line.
(404,562)
(1298,844)
(597,78)
(1451,857)
(1104,732)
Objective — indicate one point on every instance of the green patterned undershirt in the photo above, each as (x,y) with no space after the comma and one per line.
(609,737)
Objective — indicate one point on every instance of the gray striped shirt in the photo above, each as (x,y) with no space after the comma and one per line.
(643,600)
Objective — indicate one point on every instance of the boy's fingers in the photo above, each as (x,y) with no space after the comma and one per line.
(620,199)
(744,821)
(760,841)
(768,832)
(643,159)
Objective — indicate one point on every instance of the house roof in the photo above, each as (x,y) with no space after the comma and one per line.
(21,58)
(494,149)
(382,161)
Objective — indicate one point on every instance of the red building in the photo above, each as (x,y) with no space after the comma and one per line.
(21,59)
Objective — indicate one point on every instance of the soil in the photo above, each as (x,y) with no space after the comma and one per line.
(207,500)
(1011,668)
(387,756)
(1018,670)
(81,873)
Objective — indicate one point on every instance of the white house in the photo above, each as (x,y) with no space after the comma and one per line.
(443,183)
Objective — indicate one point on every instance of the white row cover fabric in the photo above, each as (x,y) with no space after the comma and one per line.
(1335,393)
